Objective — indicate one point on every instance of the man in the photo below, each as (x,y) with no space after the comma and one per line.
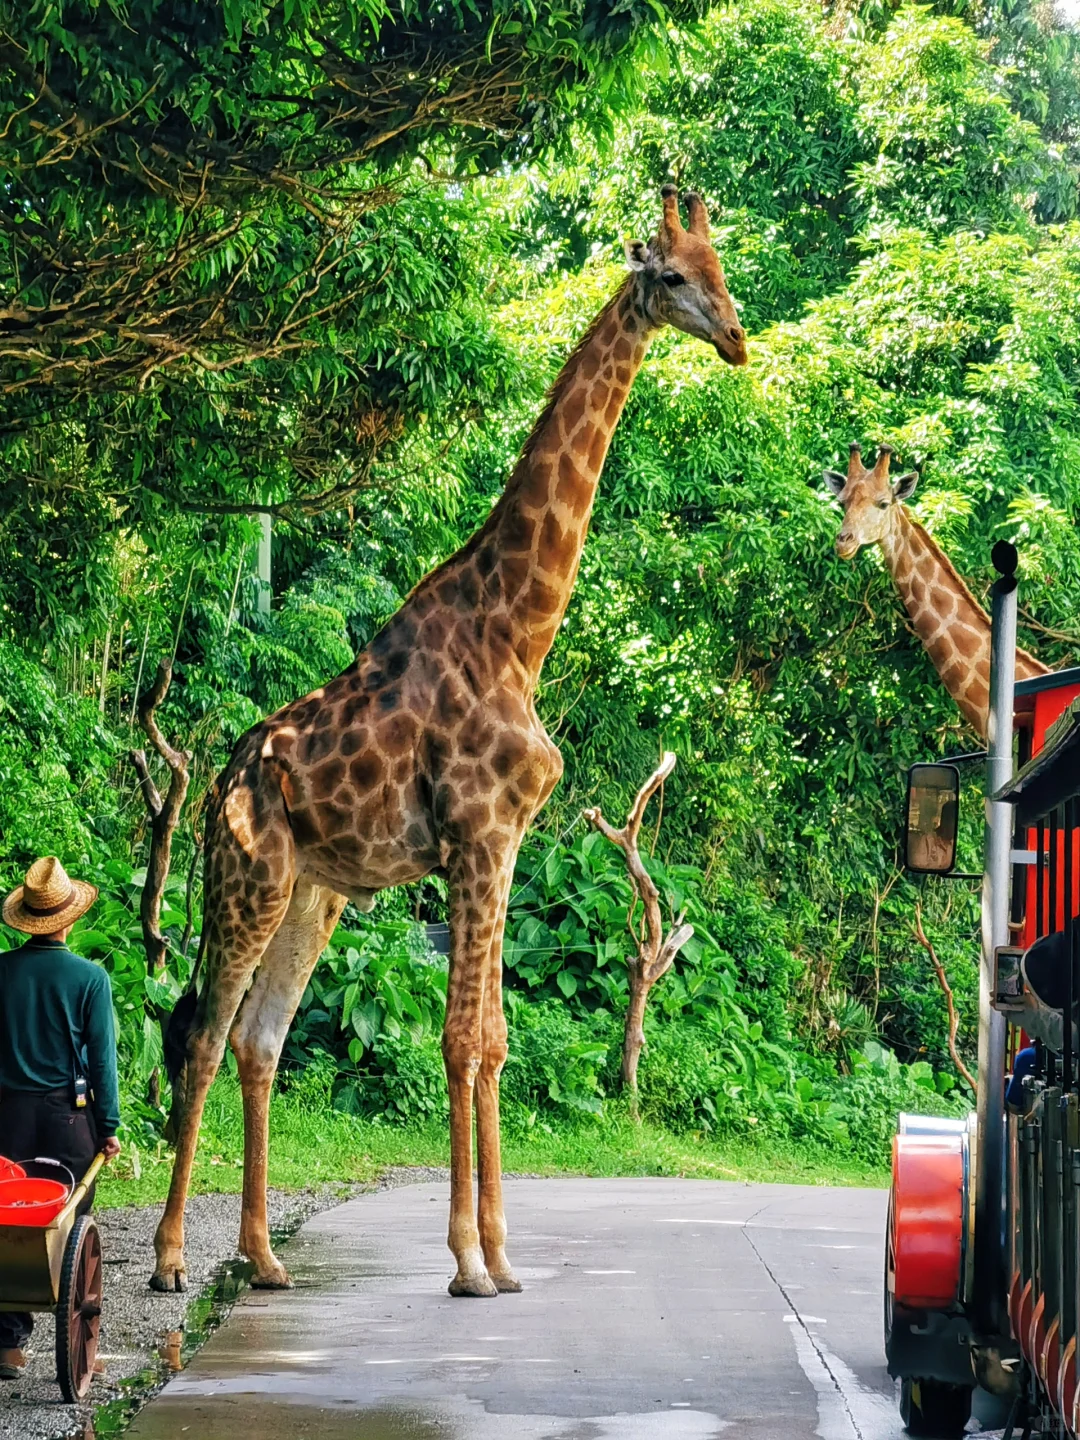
(1045,971)
(58,1086)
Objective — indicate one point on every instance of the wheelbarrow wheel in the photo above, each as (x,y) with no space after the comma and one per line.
(78,1314)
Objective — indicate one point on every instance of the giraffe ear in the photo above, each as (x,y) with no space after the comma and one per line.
(835,481)
(637,254)
(904,485)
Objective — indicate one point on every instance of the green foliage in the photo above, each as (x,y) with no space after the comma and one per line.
(947,148)
(55,759)
(374,1009)
(352,320)
(757,115)
(861,1110)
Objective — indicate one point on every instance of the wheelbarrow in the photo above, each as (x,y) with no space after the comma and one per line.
(54,1266)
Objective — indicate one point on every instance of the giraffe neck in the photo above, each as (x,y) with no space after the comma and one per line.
(952,625)
(538,528)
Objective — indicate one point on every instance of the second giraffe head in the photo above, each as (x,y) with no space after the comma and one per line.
(683,281)
(869,499)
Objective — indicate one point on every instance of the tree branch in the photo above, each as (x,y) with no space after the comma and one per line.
(942,979)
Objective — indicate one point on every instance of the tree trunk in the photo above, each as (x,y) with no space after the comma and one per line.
(634,1039)
(105,666)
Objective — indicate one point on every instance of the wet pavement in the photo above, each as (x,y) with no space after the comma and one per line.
(654,1309)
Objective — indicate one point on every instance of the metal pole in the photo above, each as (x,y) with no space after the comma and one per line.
(989,1271)
(266,540)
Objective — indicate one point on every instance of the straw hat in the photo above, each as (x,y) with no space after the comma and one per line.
(47,900)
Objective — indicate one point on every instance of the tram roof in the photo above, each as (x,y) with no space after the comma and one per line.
(1026,690)
(1053,680)
(1053,775)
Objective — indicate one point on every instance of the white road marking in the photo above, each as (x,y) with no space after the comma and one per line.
(847,1410)
(687,1220)
(742,1224)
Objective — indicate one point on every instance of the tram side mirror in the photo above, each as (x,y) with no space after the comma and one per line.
(933,812)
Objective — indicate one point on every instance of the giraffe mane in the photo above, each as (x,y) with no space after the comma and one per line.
(944,561)
(961,584)
(560,384)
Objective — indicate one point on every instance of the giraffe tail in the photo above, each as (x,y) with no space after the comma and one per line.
(176,1030)
(181,1022)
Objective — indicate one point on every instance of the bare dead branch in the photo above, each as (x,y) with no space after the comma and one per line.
(946,988)
(1048,630)
(150,792)
(654,952)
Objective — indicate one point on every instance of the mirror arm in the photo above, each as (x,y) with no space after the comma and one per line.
(960,759)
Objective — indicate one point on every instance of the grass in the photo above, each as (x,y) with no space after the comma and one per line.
(315,1145)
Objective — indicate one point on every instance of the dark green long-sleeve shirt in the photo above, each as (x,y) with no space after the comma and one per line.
(56,1021)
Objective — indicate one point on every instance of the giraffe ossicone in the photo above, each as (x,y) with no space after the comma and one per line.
(425,756)
(952,625)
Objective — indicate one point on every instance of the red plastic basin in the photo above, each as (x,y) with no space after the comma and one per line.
(9,1170)
(31,1202)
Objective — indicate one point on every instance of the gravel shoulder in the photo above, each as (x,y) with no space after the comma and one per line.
(143,1334)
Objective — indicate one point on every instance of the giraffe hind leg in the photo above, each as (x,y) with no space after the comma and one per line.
(257,1037)
(234,944)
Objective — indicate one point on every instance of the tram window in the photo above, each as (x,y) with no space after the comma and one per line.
(933,808)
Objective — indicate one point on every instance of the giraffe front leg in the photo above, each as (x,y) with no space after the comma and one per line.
(471,929)
(494,1036)
(462,1064)
(491,1215)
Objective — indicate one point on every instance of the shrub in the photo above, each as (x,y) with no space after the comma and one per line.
(557,1063)
(858,1112)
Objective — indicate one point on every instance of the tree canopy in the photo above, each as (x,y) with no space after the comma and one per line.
(322,260)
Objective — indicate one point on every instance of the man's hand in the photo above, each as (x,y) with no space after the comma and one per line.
(110,1147)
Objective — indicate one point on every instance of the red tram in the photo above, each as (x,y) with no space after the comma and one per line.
(982,1274)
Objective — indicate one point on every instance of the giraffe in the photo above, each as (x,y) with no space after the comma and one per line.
(952,625)
(426,755)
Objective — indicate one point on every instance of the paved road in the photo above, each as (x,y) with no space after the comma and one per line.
(653,1310)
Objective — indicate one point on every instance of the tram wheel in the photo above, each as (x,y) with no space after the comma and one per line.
(934,1411)
(78,1315)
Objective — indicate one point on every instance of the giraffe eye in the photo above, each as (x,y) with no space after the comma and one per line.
(672,278)
(882,504)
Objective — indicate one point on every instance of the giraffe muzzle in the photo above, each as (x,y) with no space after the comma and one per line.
(730,345)
(846,546)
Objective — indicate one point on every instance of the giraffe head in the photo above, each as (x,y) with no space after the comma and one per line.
(682,281)
(869,499)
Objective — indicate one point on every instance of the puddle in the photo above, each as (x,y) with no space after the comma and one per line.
(203,1316)
(455,1418)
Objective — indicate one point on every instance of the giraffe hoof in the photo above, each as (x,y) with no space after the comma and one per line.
(507,1283)
(169,1282)
(481,1286)
(275,1278)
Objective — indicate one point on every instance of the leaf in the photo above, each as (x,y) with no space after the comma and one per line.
(366,1020)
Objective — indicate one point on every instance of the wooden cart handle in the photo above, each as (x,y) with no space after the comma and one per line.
(87,1180)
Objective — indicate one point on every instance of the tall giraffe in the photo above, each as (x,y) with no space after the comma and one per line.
(952,625)
(425,756)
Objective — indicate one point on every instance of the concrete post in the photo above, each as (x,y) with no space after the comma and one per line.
(266,540)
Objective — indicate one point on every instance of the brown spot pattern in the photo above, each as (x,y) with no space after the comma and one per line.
(425,754)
